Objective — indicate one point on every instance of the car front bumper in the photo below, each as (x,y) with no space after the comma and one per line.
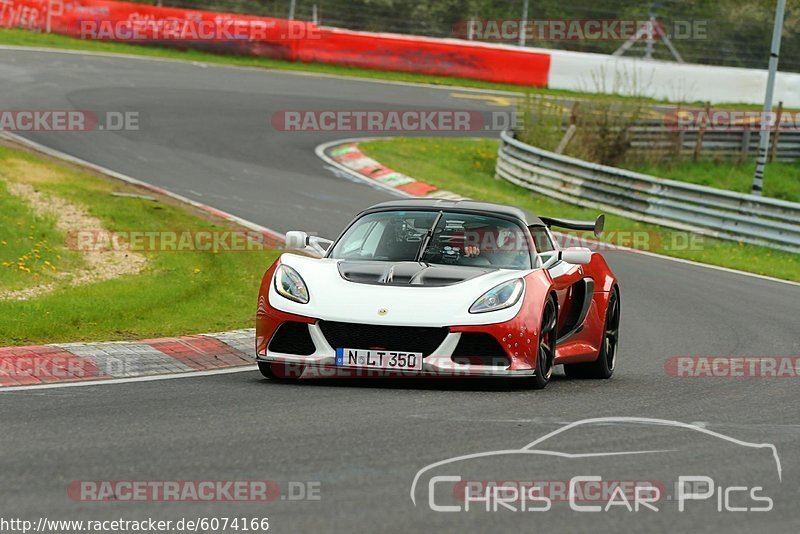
(439,363)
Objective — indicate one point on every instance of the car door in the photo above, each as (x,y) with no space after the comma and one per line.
(567,278)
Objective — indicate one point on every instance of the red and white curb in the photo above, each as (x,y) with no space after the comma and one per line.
(350,157)
(71,362)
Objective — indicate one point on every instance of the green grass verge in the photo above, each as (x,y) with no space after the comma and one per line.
(29,251)
(781,180)
(177,293)
(466,166)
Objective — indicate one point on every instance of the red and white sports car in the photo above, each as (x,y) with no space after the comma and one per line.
(440,288)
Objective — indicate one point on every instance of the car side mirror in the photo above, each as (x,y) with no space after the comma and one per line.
(576,255)
(320,244)
(316,246)
(296,239)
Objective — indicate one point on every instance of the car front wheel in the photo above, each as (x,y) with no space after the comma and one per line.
(547,345)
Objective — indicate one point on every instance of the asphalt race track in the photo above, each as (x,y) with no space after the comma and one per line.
(205,133)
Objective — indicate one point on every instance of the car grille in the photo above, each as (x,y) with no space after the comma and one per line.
(477,348)
(292,338)
(398,338)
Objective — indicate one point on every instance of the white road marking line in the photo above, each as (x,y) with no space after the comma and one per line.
(110,381)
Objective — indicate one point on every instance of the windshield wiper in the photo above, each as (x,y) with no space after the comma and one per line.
(427,239)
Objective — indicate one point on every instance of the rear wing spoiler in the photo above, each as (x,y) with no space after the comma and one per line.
(595,226)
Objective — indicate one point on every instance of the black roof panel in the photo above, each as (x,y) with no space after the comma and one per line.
(528,218)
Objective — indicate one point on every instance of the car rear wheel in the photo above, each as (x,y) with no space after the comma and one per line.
(547,345)
(280,372)
(603,366)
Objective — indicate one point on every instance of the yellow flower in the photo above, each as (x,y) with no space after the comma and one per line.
(196,270)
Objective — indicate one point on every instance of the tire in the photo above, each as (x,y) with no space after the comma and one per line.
(548,334)
(280,372)
(603,367)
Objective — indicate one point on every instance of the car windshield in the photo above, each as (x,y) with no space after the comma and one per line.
(444,238)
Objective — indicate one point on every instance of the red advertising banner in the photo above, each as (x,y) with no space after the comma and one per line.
(276,38)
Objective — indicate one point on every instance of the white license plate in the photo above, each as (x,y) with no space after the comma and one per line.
(379,359)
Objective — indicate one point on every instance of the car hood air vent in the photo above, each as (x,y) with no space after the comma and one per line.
(407,273)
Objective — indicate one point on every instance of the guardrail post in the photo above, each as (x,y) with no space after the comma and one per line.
(744,152)
(701,133)
(574,113)
(677,135)
(562,145)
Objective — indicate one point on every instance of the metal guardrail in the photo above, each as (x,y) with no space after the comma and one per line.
(736,143)
(683,206)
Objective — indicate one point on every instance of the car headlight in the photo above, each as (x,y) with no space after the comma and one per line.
(499,297)
(290,284)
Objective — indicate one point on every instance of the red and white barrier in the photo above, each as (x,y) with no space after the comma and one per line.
(687,82)
(426,55)
(277,38)
(302,41)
